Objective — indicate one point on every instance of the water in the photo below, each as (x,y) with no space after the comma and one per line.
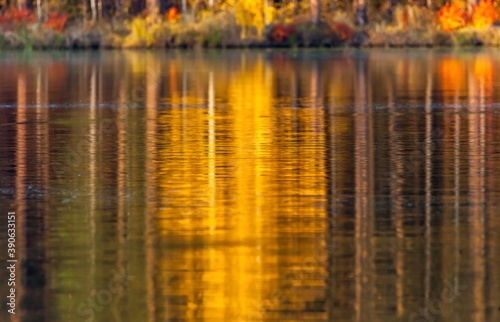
(252,185)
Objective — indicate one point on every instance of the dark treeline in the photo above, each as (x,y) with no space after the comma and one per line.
(95,8)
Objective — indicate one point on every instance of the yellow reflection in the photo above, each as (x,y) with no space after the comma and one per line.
(21,178)
(243,151)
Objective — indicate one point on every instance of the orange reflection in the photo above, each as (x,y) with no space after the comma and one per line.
(452,75)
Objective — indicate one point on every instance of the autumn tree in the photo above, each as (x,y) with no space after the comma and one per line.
(250,13)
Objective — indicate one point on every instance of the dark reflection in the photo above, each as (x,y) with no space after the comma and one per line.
(252,185)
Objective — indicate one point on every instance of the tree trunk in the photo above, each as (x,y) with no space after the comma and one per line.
(85,9)
(429,4)
(21,4)
(315,11)
(471,4)
(153,7)
(118,7)
(99,9)
(39,9)
(110,8)
(184,8)
(361,17)
(93,9)
(137,6)
(389,13)
(267,19)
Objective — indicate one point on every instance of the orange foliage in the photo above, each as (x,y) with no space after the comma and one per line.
(16,17)
(22,16)
(343,31)
(56,21)
(173,15)
(451,17)
(484,14)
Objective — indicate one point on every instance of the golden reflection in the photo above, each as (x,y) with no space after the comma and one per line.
(211,153)
(364,206)
(93,176)
(121,181)
(152,84)
(428,184)
(483,72)
(22,152)
(398,170)
(476,132)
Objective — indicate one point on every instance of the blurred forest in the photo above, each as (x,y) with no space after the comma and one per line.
(225,23)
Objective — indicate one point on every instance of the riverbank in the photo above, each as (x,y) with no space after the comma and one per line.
(223,31)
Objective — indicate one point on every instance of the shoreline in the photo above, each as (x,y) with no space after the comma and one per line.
(387,39)
(223,31)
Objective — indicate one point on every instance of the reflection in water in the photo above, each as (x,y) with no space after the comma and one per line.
(248,185)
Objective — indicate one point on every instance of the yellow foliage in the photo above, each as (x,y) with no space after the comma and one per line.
(484,15)
(139,33)
(144,31)
(250,13)
(270,12)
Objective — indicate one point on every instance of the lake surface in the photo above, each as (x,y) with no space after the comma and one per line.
(252,185)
